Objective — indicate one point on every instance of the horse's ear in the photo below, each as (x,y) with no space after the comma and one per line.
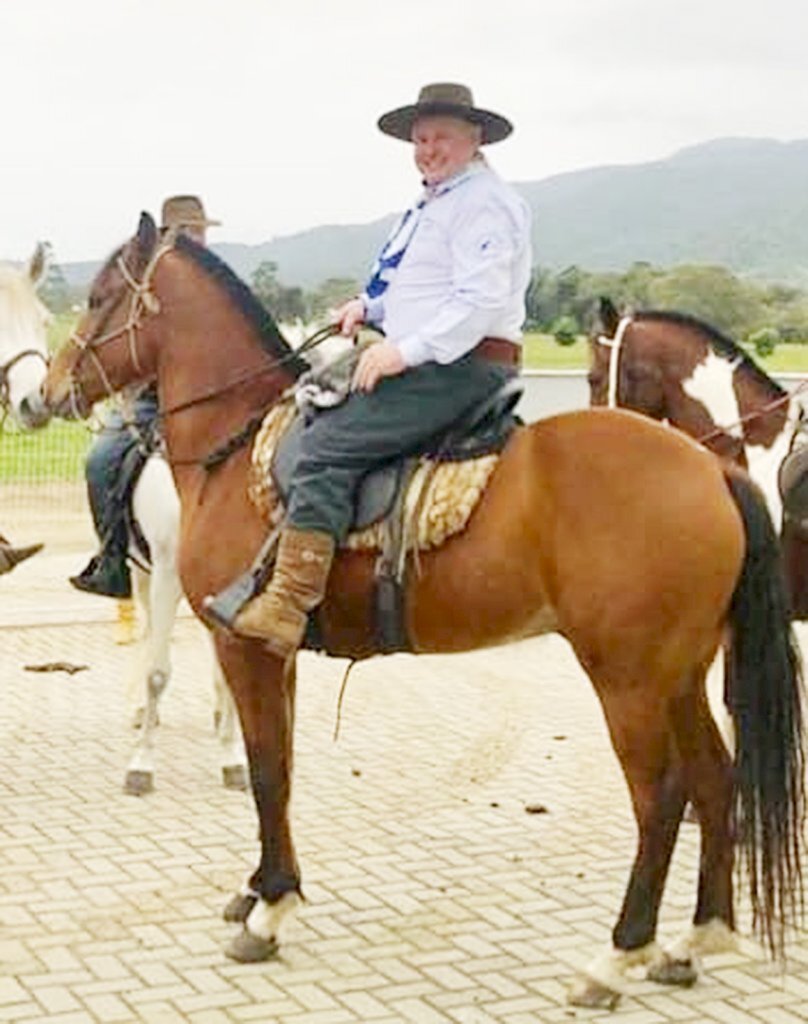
(38,264)
(609,317)
(145,239)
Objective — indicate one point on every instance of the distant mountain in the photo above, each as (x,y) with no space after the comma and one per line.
(740,203)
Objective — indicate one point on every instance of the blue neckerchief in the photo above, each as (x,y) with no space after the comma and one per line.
(400,237)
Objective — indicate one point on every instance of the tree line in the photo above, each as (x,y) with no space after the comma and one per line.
(563,302)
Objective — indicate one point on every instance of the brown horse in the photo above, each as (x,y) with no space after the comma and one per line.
(623,536)
(678,368)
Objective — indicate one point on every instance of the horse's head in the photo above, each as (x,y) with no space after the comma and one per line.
(23,341)
(106,352)
(626,366)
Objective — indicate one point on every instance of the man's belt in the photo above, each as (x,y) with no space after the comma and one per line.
(499,350)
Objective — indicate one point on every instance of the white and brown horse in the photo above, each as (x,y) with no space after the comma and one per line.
(681,370)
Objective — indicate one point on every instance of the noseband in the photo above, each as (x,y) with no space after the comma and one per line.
(5,373)
(143,302)
(615,344)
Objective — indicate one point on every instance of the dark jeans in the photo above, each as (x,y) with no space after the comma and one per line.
(103,469)
(399,417)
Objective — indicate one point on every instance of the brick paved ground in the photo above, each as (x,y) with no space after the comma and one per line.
(432,895)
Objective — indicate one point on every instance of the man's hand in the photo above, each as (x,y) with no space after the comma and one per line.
(349,316)
(382,359)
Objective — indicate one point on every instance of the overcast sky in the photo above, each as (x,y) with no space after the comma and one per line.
(267,108)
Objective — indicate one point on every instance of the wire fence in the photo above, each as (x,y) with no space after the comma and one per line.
(42,486)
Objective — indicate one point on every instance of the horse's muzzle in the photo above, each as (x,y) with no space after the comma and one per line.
(33,412)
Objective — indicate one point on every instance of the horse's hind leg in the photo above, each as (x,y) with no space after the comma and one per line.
(144,697)
(707,769)
(228,730)
(264,691)
(642,736)
(159,593)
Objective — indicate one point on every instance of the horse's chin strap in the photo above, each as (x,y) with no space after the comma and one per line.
(615,344)
(143,302)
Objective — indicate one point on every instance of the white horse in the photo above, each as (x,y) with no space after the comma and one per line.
(23,337)
(23,362)
(23,357)
(157,591)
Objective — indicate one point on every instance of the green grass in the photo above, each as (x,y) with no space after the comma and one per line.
(542,352)
(57,452)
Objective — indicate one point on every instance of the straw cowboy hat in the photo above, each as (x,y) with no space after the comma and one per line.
(186,212)
(446,99)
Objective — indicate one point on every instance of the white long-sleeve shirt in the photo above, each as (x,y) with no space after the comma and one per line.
(464,273)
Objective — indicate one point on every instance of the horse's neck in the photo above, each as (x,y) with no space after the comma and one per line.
(213,373)
(742,407)
(711,384)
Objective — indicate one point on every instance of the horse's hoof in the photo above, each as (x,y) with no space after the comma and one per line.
(138,783)
(592,995)
(240,907)
(247,948)
(669,971)
(234,776)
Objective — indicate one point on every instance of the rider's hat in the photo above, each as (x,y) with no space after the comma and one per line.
(445,99)
(185,212)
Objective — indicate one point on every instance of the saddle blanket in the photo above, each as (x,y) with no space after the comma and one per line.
(439,501)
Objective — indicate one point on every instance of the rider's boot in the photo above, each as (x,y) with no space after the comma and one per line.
(106,573)
(11,556)
(278,615)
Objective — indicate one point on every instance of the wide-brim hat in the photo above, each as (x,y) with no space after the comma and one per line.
(186,211)
(445,99)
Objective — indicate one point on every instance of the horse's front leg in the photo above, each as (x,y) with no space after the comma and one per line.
(264,691)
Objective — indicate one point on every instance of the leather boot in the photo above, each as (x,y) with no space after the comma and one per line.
(278,616)
(106,574)
(11,556)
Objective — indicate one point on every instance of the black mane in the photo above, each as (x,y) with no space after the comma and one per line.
(721,344)
(271,338)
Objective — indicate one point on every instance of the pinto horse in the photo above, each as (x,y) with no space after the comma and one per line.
(677,368)
(625,537)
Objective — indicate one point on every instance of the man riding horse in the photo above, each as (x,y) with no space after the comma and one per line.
(447,291)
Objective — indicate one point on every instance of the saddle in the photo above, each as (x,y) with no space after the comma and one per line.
(483,431)
(397,508)
(792,481)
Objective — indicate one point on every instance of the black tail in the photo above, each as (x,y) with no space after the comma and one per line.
(765,699)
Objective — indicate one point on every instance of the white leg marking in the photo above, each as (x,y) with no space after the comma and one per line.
(265,918)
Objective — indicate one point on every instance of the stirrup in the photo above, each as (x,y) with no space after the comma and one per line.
(221,609)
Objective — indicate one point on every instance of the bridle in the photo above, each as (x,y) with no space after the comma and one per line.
(143,302)
(5,373)
(615,344)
